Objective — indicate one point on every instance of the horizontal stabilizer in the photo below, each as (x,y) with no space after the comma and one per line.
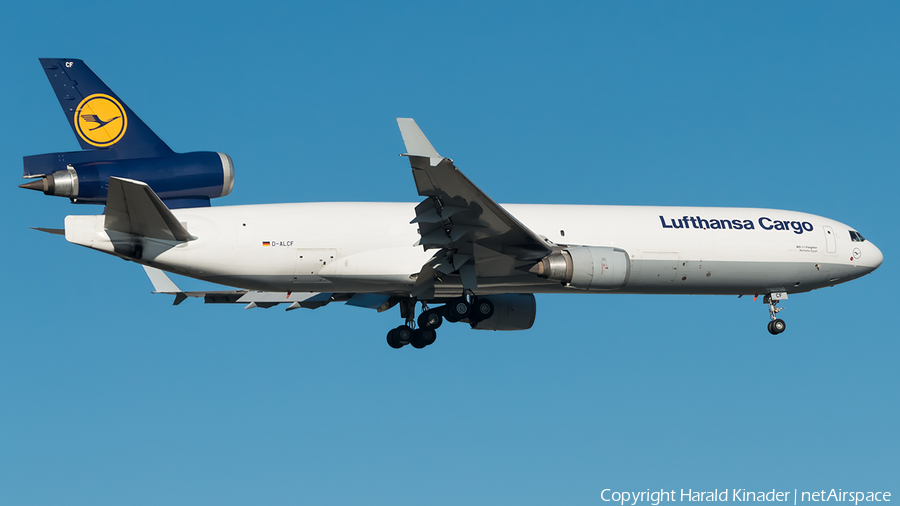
(55,231)
(133,208)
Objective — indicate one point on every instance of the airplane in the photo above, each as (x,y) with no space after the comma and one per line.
(457,255)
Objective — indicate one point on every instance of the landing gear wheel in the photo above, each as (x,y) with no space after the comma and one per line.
(430,320)
(428,336)
(399,337)
(482,310)
(422,338)
(404,334)
(416,341)
(392,340)
(457,310)
(778,326)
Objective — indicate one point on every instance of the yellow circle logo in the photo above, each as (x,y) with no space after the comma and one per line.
(100,120)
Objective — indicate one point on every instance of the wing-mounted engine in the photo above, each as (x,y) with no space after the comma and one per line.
(512,311)
(586,267)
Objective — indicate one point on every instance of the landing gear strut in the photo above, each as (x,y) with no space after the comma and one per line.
(777,325)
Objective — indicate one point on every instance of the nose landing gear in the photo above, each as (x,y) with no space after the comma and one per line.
(777,325)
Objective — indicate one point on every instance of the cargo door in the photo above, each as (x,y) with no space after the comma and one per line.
(830,240)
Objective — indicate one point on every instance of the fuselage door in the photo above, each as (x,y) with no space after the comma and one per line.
(830,242)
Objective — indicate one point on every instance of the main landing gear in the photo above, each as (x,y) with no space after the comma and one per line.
(421,332)
(418,336)
(777,325)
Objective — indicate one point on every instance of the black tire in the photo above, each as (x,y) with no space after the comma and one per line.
(430,320)
(392,340)
(771,330)
(417,340)
(778,326)
(403,334)
(457,310)
(428,336)
(482,310)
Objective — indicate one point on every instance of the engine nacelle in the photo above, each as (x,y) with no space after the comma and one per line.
(586,267)
(512,311)
(188,178)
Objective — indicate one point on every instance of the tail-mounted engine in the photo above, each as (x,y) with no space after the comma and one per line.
(180,180)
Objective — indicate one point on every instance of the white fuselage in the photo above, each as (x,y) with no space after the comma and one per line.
(369,247)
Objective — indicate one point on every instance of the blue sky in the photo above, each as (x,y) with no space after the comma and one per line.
(109,395)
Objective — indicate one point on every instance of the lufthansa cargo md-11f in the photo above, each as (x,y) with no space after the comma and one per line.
(457,255)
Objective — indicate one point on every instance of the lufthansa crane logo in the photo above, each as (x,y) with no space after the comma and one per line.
(100,120)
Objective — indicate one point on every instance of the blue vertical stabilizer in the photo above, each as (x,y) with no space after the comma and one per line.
(98,117)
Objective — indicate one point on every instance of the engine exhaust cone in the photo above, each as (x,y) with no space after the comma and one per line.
(37,184)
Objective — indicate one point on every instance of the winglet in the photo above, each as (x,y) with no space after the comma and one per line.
(416,142)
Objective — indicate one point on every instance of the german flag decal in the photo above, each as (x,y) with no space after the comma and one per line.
(267,243)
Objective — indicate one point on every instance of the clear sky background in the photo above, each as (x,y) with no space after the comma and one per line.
(110,395)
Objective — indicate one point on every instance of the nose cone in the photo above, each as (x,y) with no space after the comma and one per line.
(875,257)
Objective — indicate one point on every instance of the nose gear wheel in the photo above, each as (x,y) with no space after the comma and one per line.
(777,325)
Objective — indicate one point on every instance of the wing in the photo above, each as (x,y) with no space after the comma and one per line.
(475,237)
(253,298)
(93,118)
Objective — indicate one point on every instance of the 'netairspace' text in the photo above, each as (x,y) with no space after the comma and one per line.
(742,495)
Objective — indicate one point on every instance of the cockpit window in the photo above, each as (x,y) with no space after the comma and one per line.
(856,236)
